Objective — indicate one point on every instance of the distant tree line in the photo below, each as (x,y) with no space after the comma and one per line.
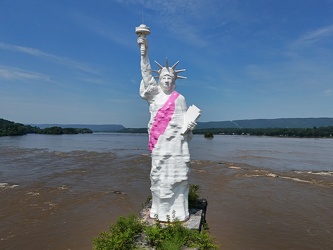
(9,128)
(321,132)
(314,132)
(269,123)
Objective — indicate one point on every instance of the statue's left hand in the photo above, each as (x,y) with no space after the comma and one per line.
(191,125)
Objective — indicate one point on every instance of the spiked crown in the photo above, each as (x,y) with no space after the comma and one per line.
(169,70)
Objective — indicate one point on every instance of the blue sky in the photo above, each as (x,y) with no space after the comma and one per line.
(78,61)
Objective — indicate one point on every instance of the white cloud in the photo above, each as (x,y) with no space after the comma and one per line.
(47,56)
(318,34)
(19,74)
(312,37)
(302,65)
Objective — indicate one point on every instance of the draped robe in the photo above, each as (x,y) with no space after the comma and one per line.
(170,153)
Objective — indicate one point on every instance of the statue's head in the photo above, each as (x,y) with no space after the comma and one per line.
(167,76)
(166,82)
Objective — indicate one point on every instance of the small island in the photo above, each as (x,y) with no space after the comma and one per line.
(208,134)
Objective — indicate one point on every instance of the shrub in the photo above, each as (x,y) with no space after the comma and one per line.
(171,236)
(175,236)
(193,195)
(121,235)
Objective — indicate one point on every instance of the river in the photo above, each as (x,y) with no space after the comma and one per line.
(57,192)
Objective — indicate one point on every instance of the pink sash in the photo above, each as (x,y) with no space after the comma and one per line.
(161,120)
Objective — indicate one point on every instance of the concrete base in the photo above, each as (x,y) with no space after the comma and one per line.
(195,221)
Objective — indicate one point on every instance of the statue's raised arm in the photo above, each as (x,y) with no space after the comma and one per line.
(148,84)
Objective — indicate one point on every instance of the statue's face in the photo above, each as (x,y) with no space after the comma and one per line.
(166,83)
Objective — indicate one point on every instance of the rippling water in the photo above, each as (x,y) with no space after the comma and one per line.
(57,192)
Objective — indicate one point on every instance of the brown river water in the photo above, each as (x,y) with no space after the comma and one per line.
(59,194)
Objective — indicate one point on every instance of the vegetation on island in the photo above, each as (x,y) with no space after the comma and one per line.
(209,134)
(59,131)
(125,233)
(9,128)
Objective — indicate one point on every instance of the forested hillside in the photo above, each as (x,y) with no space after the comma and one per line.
(12,128)
(9,128)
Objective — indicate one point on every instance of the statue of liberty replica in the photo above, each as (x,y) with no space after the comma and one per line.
(170,129)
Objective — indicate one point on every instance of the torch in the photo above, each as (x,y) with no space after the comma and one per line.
(142,31)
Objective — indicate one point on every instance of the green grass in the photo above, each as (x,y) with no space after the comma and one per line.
(121,234)
(170,236)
